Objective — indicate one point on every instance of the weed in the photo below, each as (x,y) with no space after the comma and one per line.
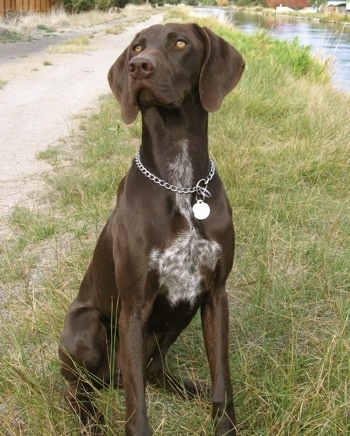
(116,30)
(50,154)
(45,28)
(9,35)
(75,45)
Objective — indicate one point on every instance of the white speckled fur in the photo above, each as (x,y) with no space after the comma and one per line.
(180,266)
(181,174)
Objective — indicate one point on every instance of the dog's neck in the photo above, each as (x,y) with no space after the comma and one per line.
(173,146)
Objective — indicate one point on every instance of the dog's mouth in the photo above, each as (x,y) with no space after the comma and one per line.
(144,98)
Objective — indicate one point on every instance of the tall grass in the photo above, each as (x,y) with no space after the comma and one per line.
(281,143)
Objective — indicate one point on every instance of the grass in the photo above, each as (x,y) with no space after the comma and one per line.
(29,26)
(116,30)
(281,145)
(339,18)
(10,35)
(45,28)
(74,45)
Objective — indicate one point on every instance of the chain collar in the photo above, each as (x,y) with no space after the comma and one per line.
(200,188)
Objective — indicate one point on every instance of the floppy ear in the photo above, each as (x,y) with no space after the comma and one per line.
(118,78)
(221,71)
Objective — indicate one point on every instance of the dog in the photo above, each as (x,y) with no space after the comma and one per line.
(167,249)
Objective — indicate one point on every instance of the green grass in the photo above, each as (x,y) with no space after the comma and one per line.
(10,35)
(45,28)
(281,144)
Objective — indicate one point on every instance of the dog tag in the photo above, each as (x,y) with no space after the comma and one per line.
(201,210)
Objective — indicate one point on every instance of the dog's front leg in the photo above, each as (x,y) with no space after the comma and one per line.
(215,326)
(133,367)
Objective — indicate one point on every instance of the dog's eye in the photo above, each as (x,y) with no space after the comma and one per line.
(137,48)
(180,43)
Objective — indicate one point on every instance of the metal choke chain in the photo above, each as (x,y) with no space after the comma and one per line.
(200,190)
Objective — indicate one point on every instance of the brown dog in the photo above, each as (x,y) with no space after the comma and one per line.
(167,249)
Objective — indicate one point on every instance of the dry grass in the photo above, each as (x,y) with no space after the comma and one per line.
(36,25)
(75,45)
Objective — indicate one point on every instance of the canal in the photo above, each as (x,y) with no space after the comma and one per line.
(327,40)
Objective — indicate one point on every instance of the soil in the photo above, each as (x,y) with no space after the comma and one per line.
(43,95)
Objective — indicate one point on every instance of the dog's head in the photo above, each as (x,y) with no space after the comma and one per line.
(164,63)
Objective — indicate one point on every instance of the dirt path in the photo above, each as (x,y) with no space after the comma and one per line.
(39,103)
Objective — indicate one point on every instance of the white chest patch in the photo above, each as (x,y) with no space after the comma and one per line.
(182,265)
(181,174)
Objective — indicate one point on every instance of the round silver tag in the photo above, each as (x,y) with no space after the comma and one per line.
(201,210)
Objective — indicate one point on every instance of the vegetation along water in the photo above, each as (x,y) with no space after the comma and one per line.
(329,41)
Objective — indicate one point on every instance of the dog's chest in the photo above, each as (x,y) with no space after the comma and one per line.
(184,266)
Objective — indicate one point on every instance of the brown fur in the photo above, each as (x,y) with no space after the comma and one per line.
(173,74)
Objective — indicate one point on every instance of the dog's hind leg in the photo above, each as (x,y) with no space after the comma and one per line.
(84,358)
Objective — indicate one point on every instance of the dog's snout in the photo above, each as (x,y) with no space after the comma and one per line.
(141,67)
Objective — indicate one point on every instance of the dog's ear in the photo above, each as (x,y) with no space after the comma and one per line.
(222,69)
(118,78)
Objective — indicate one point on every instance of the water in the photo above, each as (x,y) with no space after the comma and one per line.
(327,40)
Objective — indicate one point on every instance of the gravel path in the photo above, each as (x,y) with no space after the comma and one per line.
(39,103)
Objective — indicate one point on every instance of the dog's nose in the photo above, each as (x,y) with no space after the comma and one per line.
(141,67)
